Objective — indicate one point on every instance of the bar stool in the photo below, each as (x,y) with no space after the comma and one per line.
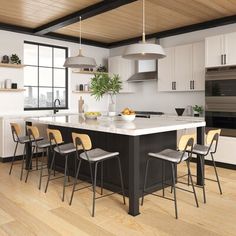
(203,150)
(19,139)
(174,158)
(82,142)
(44,145)
(64,150)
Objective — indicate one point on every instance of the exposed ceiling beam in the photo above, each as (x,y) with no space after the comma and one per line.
(30,31)
(75,39)
(85,13)
(181,30)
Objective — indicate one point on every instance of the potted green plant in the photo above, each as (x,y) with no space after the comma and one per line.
(104,84)
(197,110)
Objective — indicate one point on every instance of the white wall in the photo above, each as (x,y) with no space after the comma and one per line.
(11,43)
(148,98)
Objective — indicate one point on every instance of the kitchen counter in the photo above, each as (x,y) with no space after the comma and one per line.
(133,140)
(140,126)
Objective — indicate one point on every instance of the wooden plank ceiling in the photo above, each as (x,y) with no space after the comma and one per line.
(121,23)
(126,21)
(34,13)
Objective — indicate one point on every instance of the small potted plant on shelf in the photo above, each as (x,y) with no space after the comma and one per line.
(104,84)
(197,110)
(15,59)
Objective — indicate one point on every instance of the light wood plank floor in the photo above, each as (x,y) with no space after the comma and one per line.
(24,210)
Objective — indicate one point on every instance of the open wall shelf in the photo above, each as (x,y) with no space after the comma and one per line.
(88,72)
(11,65)
(11,90)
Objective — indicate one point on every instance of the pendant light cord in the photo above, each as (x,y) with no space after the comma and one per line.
(80,47)
(143,36)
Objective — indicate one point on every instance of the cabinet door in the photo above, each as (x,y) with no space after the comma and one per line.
(214,50)
(183,67)
(124,68)
(166,71)
(198,82)
(230,49)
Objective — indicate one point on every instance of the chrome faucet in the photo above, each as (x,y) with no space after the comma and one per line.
(55,110)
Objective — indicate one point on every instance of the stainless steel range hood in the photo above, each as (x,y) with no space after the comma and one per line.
(143,77)
(146,71)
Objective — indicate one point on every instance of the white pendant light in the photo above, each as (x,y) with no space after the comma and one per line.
(143,50)
(80,61)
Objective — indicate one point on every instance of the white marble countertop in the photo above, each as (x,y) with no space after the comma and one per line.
(140,126)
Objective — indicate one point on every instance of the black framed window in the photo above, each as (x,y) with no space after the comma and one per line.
(45,78)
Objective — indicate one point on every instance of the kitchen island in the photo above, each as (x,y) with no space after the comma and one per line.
(133,140)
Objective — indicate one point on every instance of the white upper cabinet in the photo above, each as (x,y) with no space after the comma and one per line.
(214,51)
(183,68)
(230,48)
(198,81)
(124,68)
(220,50)
(166,71)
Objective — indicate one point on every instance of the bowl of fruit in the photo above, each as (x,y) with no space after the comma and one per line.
(128,114)
(92,115)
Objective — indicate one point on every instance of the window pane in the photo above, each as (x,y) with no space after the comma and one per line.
(60,93)
(31,76)
(45,77)
(59,57)
(31,97)
(30,54)
(45,56)
(45,97)
(59,78)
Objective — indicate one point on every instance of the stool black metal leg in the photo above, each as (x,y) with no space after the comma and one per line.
(121,179)
(37,159)
(191,180)
(188,164)
(54,168)
(30,164)
(41,170)
(13,159)
(175,200)
(145,180)
(50,171)
(65,175)
(91,172)
(94,187)
(217,177)
(75,182)
(163,178)
(102,178)
(23,161)
(203,178)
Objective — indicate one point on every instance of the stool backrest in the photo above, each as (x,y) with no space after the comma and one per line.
(33,133)
(16,131)
(55,137)
(82,142)
(212,139)
(186,145)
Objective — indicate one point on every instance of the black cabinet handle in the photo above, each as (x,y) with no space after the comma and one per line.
(193,84)
(190,84)
(174,85)
(222,59)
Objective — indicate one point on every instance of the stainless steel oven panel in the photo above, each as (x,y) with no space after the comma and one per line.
(221,73)
(221,104)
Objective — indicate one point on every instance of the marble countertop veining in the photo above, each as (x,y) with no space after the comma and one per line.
(140,126)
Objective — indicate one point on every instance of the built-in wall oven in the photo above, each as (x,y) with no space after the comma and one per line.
(221,99)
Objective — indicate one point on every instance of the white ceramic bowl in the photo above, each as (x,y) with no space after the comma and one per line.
(128,117)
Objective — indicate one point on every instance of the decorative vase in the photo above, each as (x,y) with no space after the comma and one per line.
(111,105)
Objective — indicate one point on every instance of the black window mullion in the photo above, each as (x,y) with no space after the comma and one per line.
(38,107)
(38,76)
